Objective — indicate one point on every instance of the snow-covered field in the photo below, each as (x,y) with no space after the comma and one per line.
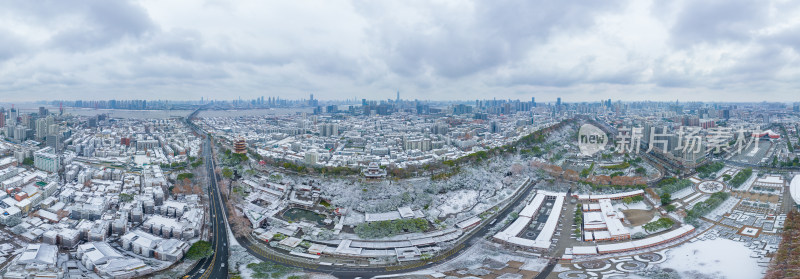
(749,183)
(719,258)
(638,205)
(477,255)
(440,197)
(685,192)
(457,201)
(246,272)
(725,207)
(486,204)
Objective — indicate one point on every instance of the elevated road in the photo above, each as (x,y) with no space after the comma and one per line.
(214,266)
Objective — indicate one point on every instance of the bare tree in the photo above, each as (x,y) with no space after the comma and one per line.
(240,223)
(223,187)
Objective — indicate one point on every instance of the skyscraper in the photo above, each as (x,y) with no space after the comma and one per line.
(12,116)
(558,105)
(41,128)
(312,102)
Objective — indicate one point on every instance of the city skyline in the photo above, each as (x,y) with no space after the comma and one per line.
(353,139)
(742,51)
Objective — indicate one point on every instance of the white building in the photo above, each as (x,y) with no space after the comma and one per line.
(36,261)
(97,253)
(45,159)
(171,250)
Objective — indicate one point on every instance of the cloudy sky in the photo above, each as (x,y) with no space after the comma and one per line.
(720,50)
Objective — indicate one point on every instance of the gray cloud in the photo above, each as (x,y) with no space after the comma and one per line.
(491,34)
(91,24)
(425,49)
(11,46)
(718,21)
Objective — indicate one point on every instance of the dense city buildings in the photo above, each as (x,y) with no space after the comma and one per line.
(399,139)
(320,187)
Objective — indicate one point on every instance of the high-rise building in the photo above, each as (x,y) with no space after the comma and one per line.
(462,109)
(41,128)
(494,127)
(54,141)
(12,116)
(329,130)
(312,102)
(52,129)
(311,158)
(46,159)
(20,133)
(332,109)
(2,119)
(28,120)
(558,102)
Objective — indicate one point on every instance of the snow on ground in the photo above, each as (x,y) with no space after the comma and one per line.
(534,264)
(725,207)
(476,255)
(749,183)
(638,205)
(561,268)
(354,218)
(174,272)
(721,258)
(498,198)
(311,275)
(697,200)
(388,195)
(457,201)
(410,274)
(246,272)
(685,192)
(231,238)
(637,229)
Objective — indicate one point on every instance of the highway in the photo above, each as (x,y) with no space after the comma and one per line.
(216,265)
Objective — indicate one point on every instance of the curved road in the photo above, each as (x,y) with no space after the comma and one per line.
(367,272)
